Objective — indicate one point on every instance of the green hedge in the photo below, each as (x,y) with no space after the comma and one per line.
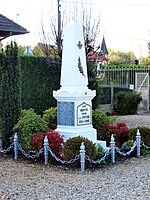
(10,92)
(39,76)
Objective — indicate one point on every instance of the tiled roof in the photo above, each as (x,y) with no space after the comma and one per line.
(9,27)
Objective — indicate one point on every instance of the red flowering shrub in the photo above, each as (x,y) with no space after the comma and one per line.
(55,141)
(119,130)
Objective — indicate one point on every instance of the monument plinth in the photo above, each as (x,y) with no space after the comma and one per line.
(74,98)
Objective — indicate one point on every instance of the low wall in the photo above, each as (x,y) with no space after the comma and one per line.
(106,107)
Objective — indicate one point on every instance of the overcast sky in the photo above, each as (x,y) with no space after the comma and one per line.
(124,23)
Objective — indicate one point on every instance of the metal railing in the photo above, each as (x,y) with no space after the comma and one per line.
(120,76)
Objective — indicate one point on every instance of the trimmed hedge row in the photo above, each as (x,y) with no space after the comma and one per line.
(39,77)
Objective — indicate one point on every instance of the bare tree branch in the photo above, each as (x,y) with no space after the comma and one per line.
(91,28)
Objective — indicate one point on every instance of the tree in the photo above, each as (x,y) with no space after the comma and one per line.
(40,48)
(10,102)
(21,49)
(82,14)
(148,45)
(91,29)
(119,57)
(146,60)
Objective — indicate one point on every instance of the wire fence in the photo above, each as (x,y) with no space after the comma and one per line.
(46,150)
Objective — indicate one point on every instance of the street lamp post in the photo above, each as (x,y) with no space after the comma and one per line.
(17,22)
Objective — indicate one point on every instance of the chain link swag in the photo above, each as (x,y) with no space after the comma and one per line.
(63,161)
(8,149)
(128,153)
(37,154)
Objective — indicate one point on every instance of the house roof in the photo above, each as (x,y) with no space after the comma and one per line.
(103,48)
(9,28)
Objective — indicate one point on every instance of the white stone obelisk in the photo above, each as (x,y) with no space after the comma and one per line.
(74,98)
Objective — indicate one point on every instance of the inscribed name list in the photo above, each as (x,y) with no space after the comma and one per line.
(84,114)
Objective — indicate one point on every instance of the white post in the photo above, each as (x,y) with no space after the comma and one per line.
(16,146)
(112,144)
(82,157)
(138,142)
(46,150)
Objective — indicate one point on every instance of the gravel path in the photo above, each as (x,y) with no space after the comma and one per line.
(127,180)
(135,120)
(124,181)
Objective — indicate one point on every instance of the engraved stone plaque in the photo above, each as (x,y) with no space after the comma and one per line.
(65,113)
(84,114)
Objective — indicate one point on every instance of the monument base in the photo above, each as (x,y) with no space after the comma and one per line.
(70,132)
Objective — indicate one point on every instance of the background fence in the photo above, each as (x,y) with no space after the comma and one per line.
(112,80)
(120,76)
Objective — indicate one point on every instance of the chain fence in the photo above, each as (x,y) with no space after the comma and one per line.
(99,161)
(46,150)
(31,154)
(8,149)
(118,150)
(63,161)
(145,146)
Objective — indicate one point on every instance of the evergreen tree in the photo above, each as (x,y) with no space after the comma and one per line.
(1,61)
(10,92)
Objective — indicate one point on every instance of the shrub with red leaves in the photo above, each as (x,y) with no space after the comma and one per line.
(120,132)
(55,141)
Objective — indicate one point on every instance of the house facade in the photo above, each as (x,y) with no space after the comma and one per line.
(101,57)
